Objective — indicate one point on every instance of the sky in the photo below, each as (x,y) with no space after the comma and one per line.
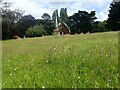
(38,7)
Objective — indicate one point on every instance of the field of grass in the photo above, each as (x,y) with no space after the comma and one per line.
(78,61)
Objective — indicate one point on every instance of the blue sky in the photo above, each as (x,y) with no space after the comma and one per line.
(38,7)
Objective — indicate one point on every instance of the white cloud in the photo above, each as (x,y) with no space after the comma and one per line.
(30,7)
(101,8)
(37,8)
(73,0)
(103,14)
(116,0)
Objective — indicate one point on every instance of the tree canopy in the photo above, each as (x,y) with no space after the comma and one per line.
(55,16)
(9,20)
(114,16)
(63,15)
(82,22)
(46,16)
(26,22)
(15,23)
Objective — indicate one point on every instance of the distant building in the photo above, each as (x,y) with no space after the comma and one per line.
(62,28)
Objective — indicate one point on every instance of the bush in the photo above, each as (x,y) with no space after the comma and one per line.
(35,31)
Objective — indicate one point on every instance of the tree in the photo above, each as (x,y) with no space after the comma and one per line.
(0,20)
(63,15)
(49,27)
(74,23)
(6,33)
(24,23)
(9,20)
(18,14)
(47,23)
(100,26)
(54,16)
(82,22)
(35,31)
(91,21)
(114,16)
(46,16)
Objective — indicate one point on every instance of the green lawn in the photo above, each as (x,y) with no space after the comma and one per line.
(71,61)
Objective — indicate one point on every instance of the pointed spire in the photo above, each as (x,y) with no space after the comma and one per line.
(56,21)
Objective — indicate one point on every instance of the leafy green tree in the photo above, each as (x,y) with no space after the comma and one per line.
(6,33)
(114,16)
(54,16)
(24,23)
(63,15)
(48,24)
(35,31)
(46,16)
(82,22)
(9,20)
(100,26)
(49,27)
(74,23)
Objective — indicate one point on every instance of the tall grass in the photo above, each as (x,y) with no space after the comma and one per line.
(78,61)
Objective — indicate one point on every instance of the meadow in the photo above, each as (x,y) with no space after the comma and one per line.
(71,61)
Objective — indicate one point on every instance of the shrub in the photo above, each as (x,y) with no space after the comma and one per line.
(35,31)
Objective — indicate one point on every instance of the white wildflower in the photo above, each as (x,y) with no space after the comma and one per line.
(20,86)
(78,77)
(43,86)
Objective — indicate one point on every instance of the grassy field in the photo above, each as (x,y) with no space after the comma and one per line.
(78,61)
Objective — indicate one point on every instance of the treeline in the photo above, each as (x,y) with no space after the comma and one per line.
(14,23)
